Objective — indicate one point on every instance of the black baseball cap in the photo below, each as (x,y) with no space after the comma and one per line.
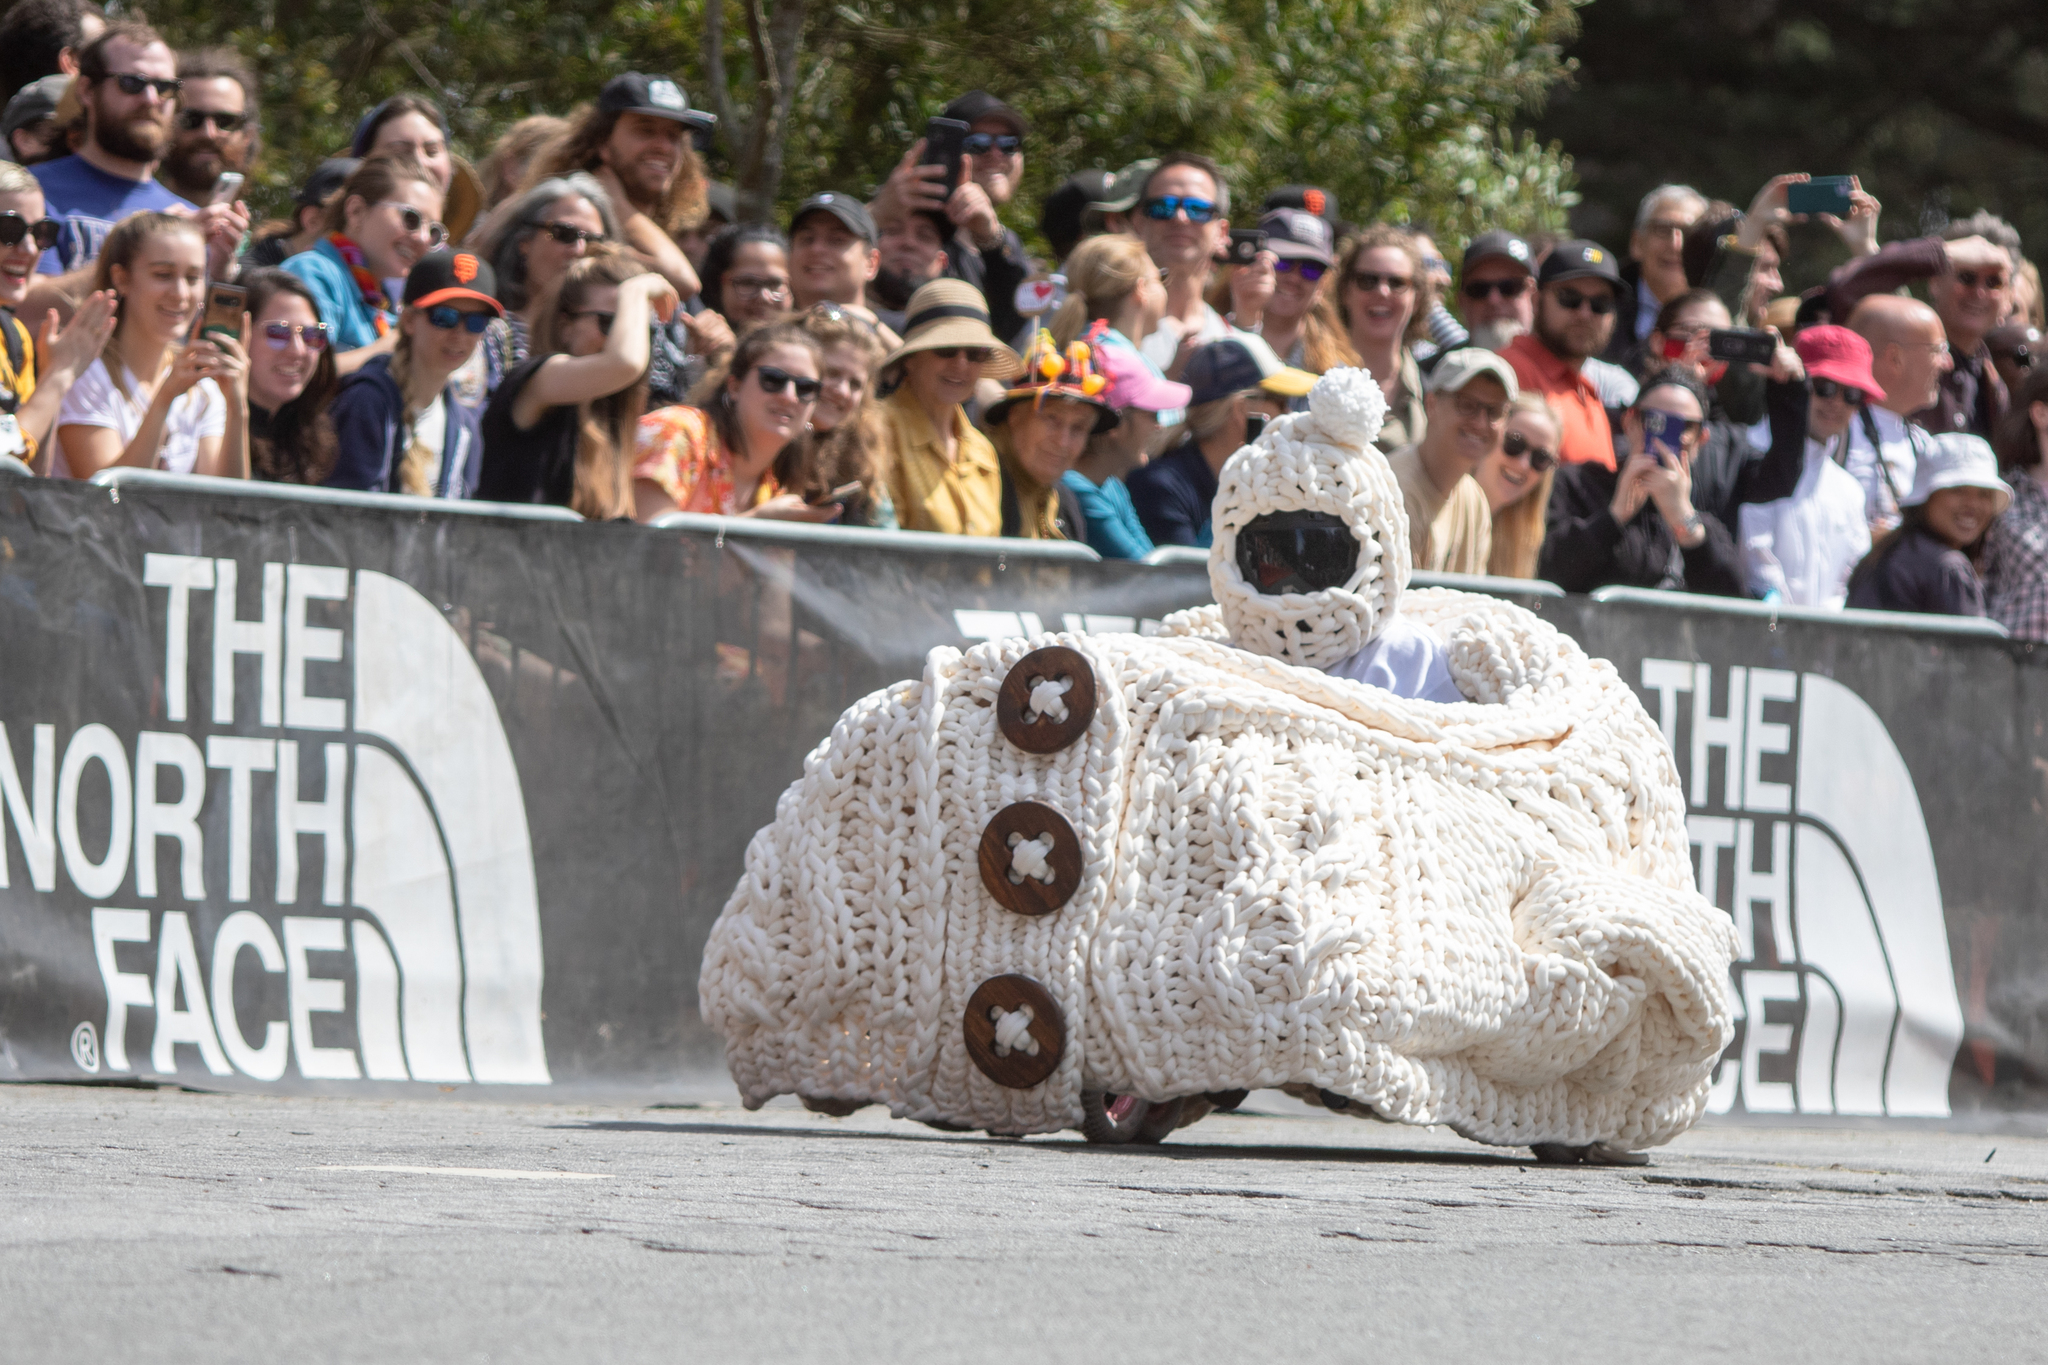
(327,177)
(1506,245)
(845,208)
(1308,198)
(976,105)
(1297,234)
(442,275)
(1579,259)
(1060,217)
(635,93)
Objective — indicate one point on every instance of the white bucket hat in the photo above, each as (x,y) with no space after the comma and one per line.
(1957,460)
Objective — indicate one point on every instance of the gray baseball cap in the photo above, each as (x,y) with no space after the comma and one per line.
(34,101)
(1460,367)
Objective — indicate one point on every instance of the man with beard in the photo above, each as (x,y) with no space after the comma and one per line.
(636,141)
(1497,290)
(913,247)
(1577,292)
(128,85)
(215,127)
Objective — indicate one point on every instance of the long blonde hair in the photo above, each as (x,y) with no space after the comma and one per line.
(858,449)
(1102,273)
(603,488)
(1518,527)
(414,472)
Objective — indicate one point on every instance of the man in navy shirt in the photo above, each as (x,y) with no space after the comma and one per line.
(127,81)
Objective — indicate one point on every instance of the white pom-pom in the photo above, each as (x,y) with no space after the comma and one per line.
(1348,407)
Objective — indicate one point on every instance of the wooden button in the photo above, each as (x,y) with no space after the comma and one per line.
(1022,725)
(1018,1067)
(1030,896)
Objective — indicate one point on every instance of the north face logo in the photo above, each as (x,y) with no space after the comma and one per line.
(407,828)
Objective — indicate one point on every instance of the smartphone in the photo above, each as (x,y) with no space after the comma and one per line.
(842,495)
(1742,343)
(1822,194)
(1245,246)
(942,139)
(224,306)
(227,187)
(1663,435)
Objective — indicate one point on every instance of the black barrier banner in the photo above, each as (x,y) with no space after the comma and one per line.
(321,795)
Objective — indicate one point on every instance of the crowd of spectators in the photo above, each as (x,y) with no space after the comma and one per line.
(583,319)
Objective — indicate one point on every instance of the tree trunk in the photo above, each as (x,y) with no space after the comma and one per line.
(775,31)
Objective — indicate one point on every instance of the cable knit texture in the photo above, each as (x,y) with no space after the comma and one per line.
(1479,914)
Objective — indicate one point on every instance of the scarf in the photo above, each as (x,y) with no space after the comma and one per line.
(371,288)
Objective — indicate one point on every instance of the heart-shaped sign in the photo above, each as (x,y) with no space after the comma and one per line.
(1039,296)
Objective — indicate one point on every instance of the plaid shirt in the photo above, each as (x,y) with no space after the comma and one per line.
(2016,561)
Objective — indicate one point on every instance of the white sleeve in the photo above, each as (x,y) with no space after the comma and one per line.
(91,400)
(212,418)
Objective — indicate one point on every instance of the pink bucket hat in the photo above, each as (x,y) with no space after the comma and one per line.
(1132,383)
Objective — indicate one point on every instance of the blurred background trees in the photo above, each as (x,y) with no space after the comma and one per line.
(1404,108)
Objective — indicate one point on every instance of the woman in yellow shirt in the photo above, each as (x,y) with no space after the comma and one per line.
(943,473)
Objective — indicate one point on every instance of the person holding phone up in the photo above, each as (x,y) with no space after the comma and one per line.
(969,193)
(1638,527)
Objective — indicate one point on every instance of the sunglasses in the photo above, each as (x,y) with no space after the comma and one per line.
(774,381)
(1988,279)
(765,285)
(1515,445)
(414,222)
(278,335)
(604,320)
(1310,271)
(979,355)
(1485,289)
(1571,300)
(1165,206)
(975,144)
(1848,393)
(192,120)
(14,227)
(448,317)
(1366,281)
(132,84)
(568,234)
(1471,409)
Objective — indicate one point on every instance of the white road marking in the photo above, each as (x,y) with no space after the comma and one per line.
(480,1172)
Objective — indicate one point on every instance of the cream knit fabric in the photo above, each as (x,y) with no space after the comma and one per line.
(1480,915)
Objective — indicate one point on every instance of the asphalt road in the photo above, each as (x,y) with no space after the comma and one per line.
(141,1225)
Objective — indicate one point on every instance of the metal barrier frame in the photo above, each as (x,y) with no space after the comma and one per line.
(1982,627)
(162,480)
(921,542)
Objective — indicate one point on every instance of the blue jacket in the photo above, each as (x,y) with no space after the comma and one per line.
(351,322)
(1173,494)
(366,421)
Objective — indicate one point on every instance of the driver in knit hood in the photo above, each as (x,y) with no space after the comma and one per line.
(1310,551)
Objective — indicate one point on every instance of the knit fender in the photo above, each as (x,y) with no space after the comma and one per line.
(1479,915)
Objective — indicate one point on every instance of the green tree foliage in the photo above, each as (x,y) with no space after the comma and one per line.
(1405,108)
(1941,106)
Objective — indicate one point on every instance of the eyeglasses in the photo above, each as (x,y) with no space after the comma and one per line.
(976,144)
(414,222)
(14,227)
(1165,206)
(2020,357)
(1296,552)
(1515,445)
(1485,289)
(1470,408)
(604,320)
(1571,300)
(278,335)
(1828,388)
(1988,279)
(765,285)
(448,317)
(979,355)
(1436,265)
(568,234)
(192,120)
(132,84)
(774,381)
(1310,271)
(1366,281)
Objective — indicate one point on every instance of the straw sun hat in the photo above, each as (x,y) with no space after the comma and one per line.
(949,313)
